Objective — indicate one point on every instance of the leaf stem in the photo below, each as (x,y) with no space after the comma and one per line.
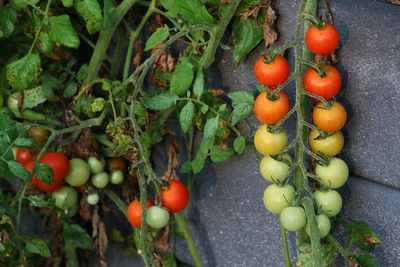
(288,262)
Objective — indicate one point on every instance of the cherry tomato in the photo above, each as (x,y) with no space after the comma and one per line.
(293,218)
(65,197)
(93,199)
(271,111)
(322,41)
(100,180)
(116,164)
(273,73)
(324,225)
(40,135)
(79,172)
(23,155)
(329,120)
(157,217)
(275,171)
(116,177)
(175,197)
(335,174)
(270,143)
(96,165)
(59,164)
(134,212)
(327,86)
(276,198)
(329,202)
(329,146)
(29,167)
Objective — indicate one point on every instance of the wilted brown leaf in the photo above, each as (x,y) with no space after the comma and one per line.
(164,62)
(394,2)
(85,145)
(270,34)
(100,239)
(216,91)
(161,244)
(138,52)
(84,210)
(173,148)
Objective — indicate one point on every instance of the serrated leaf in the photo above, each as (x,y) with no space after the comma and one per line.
(186,116)
(362,235)
(240,112)
(37,201)
(19,171)
(160,35)
(198,85)
(161,101)
(210,128)
(23,72)
(63,32)
(44,173)
(8,18)
(36,245)
(20,4)
(247,34)
(239,144)
(186,167)
(75,236)
(70,90)
(241,97)
(91,13)
(182,77)
(33,97)
(198,163)
(218,155)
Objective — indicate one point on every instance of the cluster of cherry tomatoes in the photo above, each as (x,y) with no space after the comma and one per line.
(174,198)
(325,138)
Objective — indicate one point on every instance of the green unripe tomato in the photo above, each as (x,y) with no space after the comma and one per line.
(324,225)
(276,198)
(93,199)
(100,180)
(157,217)
(116,177)
(13,103)
(293,218)
(96,165)
(275,171)
(329,202)
(335,174)
(65,198)
(79,172)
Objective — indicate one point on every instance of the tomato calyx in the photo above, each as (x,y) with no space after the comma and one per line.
(319,68)
(314,20)
(269,58)
(273,129)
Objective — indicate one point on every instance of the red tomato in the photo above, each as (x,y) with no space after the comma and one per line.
(23,155)
(273,73)
(271,111)
(327,86)
(29,167)
(134,212)
(175,197)
(322,41)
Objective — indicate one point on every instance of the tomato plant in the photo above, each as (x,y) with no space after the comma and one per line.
(271,73)
(268,143)
(275,170)
(270,111)
(326,86)
(329,145)
(116,177)
(100,180)
(175,197)
(96,165)
(276,198)
(157,217)
(40,135)
(329,202)
(65,197)
(329,119)
(79,172)
(334,174)
(134,212)
(23,155)
(293,218)
(323,40)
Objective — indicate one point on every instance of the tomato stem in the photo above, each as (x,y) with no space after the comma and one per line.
(285,245)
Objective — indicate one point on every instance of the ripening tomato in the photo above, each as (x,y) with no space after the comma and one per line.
(175,197)
(29,167)
(268,143)
(134,212)
(276,198)
(329,202)
(275,170)
(39,135)
(23,155)
(271,111)
(329,146)
(329,120)
(327,86)
(273,73)
(59,164)
(322,41)
(333,175)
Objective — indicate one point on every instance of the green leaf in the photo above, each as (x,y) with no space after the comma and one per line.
(204,109)
(70,90)
(83,72)
(182,77)
(67,3)
(63,32)
(91,13)
(362,235)
(186,167)
(241,97)
(367,260)
(46,44)
(198,85)
(186,116)
(75,236)
(210,128)
(19,171)
(20,4)
(239,144)
(246,5)
(246,36)
(23,72)
(218,155)
(161,101)
(36,245)
(194,11)
(23,142)
(33,97)
(198,163)
(8,18)
(305,258)
(44,173)
(37,201)
(242,103)
(160,35)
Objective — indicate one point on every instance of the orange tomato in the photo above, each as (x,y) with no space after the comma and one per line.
(329,120)
(271,111)
(134,212)
(327,86)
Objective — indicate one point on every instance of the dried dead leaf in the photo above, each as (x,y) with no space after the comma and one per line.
(138,52)
(164,62)
(85,146)
(161,244)
(100,239)
(270,34)
(173,162)
(394,2)
(216,91)
(84,210)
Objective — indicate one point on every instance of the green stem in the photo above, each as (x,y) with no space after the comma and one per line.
(342,251)
(288,262)
(314,231)
(72,257)
(184,227)
(116,200)
(118,53)
(46,14)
